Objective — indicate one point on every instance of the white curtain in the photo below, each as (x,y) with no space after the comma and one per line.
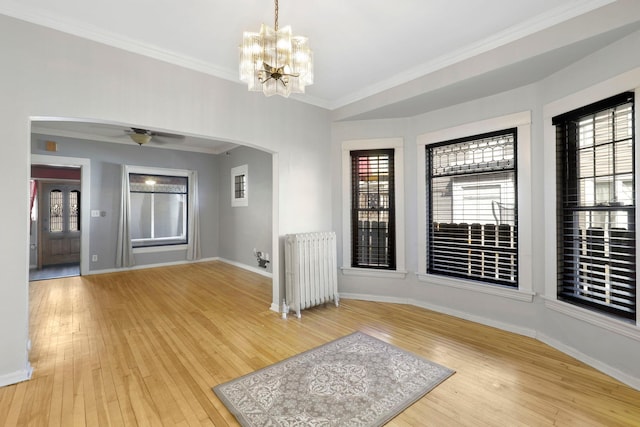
(193,248)
(124,251)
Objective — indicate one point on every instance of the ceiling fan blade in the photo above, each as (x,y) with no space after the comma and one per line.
(167,135)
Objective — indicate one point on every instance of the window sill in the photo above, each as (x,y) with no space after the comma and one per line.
(483,288)
(618,326)
(153,249)
(366,272)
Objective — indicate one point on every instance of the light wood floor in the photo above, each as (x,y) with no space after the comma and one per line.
(145,348)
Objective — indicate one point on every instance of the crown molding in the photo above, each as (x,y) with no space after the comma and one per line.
(535,24)
(527,28)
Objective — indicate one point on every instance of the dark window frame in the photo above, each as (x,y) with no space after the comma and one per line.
(365,253)
(240,186)
(159,242)
(467,245)
(588,275)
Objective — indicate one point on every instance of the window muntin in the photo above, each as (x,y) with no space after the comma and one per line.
(240,186)
(158,209)
(596,206)
(74,210)
(64,210)
(56,211)
(472,220)
(373,209)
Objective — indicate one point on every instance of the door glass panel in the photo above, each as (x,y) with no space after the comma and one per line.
(56,211)
(74,210)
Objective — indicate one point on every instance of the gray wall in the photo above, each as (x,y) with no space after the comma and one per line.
(106,160)
(47,73)
(244,228)
(595,342)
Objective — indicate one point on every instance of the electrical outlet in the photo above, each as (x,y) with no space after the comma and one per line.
(94,258)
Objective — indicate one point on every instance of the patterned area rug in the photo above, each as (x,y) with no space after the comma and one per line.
(357,380)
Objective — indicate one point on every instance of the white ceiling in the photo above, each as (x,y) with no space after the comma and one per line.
(363,48)
(119,134)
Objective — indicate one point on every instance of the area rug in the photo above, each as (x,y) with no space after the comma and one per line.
(356,380)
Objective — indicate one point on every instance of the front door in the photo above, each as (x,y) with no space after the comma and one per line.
(59,223)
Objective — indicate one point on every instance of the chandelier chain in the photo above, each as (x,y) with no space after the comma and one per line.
(276,24)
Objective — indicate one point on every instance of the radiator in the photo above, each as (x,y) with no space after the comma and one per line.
(311,271)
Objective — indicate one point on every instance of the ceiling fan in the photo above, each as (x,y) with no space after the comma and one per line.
(143,136)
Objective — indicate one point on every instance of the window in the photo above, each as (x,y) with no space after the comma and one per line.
(74,210)
(56,211)
(64,210)
(596,206)
(373,209)
(158,209)
(239,184)
(373,192)
(471,208)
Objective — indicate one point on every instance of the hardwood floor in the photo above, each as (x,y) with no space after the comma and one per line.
(145,347)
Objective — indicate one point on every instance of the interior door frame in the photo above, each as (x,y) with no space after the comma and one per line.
(85,205)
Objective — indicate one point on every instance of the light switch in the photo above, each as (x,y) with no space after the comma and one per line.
(95,213)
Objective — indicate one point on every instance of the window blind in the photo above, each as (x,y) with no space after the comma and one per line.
(472,225)
(373,209)
(596,206)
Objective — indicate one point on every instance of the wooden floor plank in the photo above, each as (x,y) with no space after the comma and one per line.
(18,397)
(145,347)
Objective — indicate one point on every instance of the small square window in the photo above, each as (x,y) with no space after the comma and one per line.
(239,186)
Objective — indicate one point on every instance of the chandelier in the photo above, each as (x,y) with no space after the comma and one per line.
(274,61)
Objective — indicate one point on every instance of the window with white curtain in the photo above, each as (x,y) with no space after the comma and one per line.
(159,209)
(158,213)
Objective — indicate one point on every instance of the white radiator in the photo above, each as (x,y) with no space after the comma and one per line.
(311,270)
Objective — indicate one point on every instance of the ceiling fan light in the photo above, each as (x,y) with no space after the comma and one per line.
(140,138)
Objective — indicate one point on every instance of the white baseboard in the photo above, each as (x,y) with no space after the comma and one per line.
(16,377)
(167,264)
(145,266)
(374,298)
(260,271)
(597,364)
(629,380)
(445,310)
(516,329)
